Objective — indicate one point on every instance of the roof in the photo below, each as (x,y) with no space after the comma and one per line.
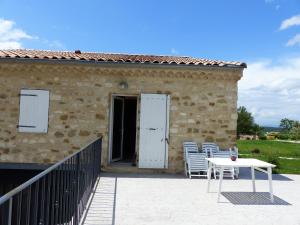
(114,58)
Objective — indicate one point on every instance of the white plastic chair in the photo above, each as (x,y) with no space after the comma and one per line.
(228,171)
(209,148)
(188,147)
(197,166)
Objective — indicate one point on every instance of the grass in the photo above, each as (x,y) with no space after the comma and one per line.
(272,151)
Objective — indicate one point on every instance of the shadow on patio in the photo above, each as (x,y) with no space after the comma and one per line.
(101,210)
(252,198)
(245,174)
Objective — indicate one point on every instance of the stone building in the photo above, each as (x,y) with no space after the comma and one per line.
(248,137)
(54,103)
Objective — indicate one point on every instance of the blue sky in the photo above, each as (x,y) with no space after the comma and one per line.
(263,33)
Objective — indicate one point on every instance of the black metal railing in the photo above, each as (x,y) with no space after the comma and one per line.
(58,195)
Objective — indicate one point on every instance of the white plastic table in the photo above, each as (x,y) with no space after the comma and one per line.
(254,164)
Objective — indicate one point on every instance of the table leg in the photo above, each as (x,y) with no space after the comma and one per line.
(208,175)
(220,181)
(253,178)
(270,184)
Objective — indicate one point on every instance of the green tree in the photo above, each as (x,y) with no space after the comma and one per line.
(286,124)
(256,129)
(295,130)
(245,121)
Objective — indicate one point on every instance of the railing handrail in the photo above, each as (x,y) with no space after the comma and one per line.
(20,188)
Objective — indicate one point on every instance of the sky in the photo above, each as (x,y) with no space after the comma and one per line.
(263,33)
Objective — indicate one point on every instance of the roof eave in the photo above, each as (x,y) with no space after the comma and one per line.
(121,64)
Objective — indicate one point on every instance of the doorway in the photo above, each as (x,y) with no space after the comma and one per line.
(123,130)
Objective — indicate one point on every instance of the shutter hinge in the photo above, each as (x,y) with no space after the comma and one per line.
(28,95)
(26,126)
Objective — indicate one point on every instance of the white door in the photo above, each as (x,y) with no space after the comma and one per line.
(154,131)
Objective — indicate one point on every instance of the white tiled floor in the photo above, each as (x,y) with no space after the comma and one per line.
(131,199)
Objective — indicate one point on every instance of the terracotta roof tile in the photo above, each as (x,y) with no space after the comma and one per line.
(117,58)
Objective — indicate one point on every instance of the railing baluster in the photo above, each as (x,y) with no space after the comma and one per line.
(60,195)
(48,198)
(57,191)
(28,200)
(42,214)
(65,193)
(10,204)
(62,202)
(77,188)
(74,186)
(19,205)
(53,197)
(72,192)
(36,203)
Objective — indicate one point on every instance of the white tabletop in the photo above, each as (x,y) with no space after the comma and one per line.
(244,162)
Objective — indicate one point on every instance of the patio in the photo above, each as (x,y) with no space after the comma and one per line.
(128,199)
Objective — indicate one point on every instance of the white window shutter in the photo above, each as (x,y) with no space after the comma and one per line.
(34,106)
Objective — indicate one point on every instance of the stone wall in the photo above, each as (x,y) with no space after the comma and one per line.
(203,107)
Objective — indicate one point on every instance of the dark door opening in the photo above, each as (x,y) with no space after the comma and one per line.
(124,129)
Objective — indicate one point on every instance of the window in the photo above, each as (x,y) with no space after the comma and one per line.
(34,105)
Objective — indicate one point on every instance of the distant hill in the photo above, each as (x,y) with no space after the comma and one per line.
(272,129)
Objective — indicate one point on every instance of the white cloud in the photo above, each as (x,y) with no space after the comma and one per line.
(271,91)
(10,45)
(293,21)
(10,36)
(294,41)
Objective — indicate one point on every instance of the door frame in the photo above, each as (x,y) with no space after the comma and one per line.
(122,125)
(167,134)
(111,123)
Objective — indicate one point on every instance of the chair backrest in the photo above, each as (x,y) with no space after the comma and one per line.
(189,147)
(197,161)
(221,154)
(190,144)
(187,151)
(209,148)
(234,151)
